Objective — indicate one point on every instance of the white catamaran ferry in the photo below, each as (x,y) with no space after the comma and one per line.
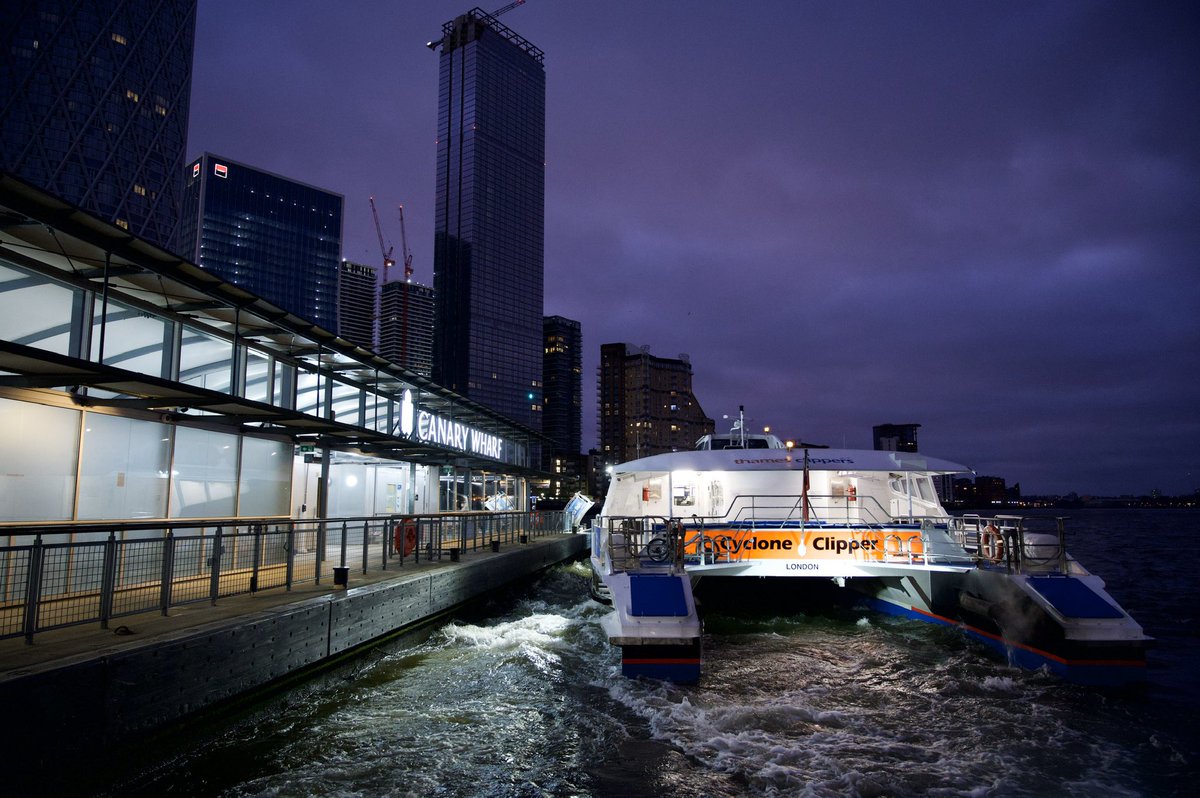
(746,507)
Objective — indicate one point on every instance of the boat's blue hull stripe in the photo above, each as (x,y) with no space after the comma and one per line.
(1081,671)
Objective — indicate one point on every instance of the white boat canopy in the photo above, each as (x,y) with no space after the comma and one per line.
(859,460)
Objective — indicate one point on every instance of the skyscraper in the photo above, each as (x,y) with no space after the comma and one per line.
(489,220)
(94,105)
(406,325)
(273,236)
(357,303)
(562,373)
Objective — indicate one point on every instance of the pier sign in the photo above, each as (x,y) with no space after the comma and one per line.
(426,427)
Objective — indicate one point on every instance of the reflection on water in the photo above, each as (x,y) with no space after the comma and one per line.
(525,699)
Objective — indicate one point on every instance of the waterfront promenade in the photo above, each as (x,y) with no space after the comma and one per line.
(77,691)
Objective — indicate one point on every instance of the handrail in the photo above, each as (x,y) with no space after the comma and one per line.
(1006,541)
(52,578)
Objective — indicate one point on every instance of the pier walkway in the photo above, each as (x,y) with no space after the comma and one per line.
(77,691)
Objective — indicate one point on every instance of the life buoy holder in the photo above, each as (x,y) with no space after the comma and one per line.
(404,536)
(991,543)
(851,493)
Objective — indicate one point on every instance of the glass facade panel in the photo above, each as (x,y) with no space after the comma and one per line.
(351,485)
(34,311)
(124,468)
(346,400)
(265,487)
(204,476)
(205,360)
(258,377)
(283,391)
(376,412)
(37,461)
(310,392)
(128,338)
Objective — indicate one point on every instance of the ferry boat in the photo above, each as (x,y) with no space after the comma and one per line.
(745,516)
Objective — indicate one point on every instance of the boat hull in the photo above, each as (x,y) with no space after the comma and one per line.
(1005,613)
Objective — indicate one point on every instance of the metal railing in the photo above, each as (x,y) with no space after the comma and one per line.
(1017,543)
(57,575)
(1021,544)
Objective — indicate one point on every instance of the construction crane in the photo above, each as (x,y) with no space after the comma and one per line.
(385,250)
(508,7)
(408,270)
(433,45)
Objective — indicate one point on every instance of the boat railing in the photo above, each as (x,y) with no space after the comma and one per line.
(636,543)
(1019,544)
(775,510)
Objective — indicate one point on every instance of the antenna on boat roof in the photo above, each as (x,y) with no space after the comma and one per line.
(740,425)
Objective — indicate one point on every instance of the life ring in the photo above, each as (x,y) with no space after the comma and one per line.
(991,544)
(404,536)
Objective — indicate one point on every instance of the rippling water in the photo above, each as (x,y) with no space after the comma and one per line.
(525,699)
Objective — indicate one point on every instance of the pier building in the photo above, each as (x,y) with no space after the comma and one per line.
(136,385)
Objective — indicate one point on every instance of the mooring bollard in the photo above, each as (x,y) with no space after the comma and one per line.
(454,554)
(495,545)
(524,538)
(341,576)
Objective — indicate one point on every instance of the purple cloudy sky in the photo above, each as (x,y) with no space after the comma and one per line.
(980,217)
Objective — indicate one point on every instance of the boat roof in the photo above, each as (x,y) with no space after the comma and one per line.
(791,460)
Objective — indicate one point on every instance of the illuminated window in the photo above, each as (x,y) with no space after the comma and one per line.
(119,39)
(121,223)
(130,94)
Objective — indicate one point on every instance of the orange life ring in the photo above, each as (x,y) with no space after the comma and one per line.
(404,536)
(991,544)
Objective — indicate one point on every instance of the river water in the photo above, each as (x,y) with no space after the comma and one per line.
(524,698)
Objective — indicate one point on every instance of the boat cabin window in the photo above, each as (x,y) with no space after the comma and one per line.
(921,487)
(736,443)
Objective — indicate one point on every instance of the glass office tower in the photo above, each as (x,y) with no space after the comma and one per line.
(562,374)
(275,237)
(94,105)
(488,250)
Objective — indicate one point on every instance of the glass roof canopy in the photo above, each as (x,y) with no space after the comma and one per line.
(118,322)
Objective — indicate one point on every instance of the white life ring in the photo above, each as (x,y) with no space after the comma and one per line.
(991,543)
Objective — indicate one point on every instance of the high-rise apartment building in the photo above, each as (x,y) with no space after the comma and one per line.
(357,303)
(94,105)
(895,437)
(562,374)
(489,218)
(275,237)
(406,325)
(646,405)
